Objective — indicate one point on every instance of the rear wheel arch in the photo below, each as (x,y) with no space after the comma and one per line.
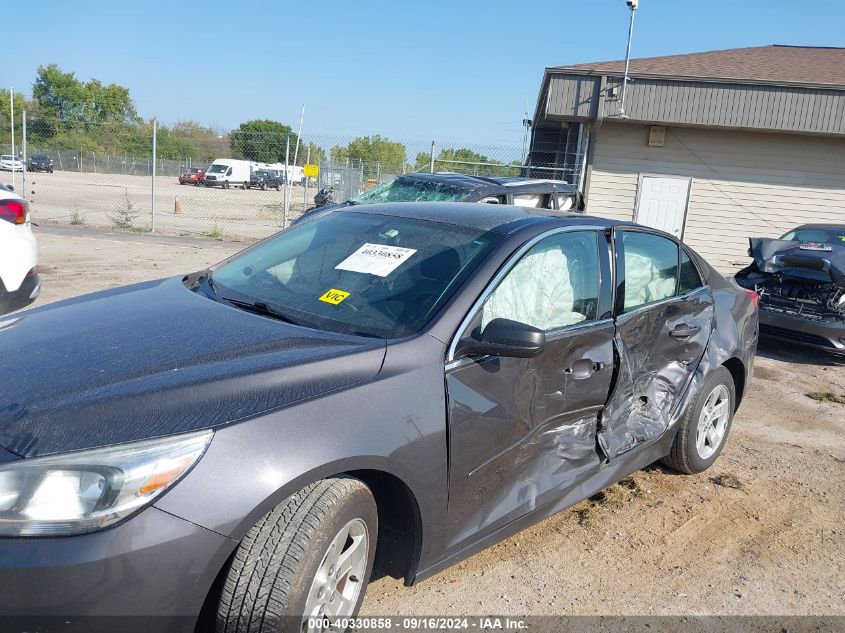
(737,369)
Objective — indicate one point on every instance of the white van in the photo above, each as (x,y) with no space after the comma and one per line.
(228,172)
(295,174)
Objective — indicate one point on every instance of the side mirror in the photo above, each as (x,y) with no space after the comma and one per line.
(11,188)
(503,337)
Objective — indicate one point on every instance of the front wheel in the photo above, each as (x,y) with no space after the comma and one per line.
(311,557)
(705,425)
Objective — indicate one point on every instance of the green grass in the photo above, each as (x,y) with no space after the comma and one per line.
(826,396)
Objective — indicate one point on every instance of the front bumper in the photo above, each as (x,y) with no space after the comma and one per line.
(23,296)
(818,334)
(152,572)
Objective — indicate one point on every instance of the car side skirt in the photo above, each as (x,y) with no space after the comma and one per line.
(606,475)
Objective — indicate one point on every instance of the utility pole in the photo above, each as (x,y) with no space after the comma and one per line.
(526,123)
(299,134)
(632,5)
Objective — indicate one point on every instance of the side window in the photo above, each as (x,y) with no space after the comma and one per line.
(651,268)
(565,201)
(229,171)
(553,285)
(533,200)
(689,279)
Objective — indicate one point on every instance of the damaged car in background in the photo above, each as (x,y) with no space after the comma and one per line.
(800,282)
(389,386)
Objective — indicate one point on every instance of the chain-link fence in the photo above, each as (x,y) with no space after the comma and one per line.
(200,181)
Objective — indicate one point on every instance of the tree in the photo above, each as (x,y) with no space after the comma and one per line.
(422,162)
(262,140)
(60,95)
(375,153)
(467,161)
(21,104)
(312,152)
(106,112)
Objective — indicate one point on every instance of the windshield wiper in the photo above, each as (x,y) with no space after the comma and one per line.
(260,307)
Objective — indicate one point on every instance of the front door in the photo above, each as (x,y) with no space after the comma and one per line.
(664,321)
(520,429)
(662,203)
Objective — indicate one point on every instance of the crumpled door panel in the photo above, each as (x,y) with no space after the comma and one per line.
(519,429)
(654,369)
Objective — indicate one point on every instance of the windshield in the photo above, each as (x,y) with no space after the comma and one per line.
(217,169)
(826,235)
(412,189)
(260,174)
(7,157)
(357,273)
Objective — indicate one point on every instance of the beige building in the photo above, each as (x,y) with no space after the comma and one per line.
(713,147)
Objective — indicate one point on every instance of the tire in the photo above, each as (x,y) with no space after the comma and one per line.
(263,187)
(274,570)
(688,455)
(226,185)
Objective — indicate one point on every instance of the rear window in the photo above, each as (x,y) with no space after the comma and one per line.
(822,236)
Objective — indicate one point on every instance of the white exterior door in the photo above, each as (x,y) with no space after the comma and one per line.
(662,203)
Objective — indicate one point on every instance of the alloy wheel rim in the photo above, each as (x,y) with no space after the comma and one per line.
(713,422)
(337,584)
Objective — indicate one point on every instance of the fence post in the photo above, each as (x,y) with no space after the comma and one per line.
(23,175)
(12,123)
(79,160)
(287,183)
(305,179)
(153,188)
(431,168)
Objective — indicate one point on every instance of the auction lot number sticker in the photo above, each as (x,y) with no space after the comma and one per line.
(376,259)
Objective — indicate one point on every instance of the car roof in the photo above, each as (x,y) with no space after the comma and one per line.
(838,227)
(490,185)
(499,218)
(8,194)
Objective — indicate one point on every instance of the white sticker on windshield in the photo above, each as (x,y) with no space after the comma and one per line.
(376,259)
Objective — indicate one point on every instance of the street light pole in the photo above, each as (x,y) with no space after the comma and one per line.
(632,5)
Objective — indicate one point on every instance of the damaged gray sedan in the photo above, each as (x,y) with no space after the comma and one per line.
(800,281)
(386,387)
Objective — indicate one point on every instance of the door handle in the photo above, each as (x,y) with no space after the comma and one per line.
(685,331)
(583,368)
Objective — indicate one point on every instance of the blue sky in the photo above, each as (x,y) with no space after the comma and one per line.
(458,70)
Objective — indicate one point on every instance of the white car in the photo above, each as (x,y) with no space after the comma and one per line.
(19,281)
(8,162)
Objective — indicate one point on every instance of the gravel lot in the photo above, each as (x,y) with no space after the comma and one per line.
(760,533)
(104,200)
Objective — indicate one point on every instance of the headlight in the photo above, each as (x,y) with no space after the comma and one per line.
(88,490)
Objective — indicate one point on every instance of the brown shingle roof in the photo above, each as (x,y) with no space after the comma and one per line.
(775,63)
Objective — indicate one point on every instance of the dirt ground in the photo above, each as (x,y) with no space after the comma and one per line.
(110,200)
(761,533)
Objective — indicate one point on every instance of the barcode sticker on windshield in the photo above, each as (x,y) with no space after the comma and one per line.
(376,259)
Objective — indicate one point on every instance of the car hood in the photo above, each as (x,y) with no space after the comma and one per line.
(157,359)
(794,258)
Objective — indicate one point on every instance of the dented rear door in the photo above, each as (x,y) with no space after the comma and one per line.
(665,316)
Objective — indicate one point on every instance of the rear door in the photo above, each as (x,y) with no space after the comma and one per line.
(522,429)
(664,318)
